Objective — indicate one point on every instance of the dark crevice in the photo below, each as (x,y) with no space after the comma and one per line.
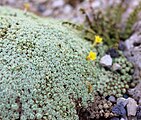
(136,44)
(18,101)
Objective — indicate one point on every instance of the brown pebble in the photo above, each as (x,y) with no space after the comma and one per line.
(106,115)
(106,106)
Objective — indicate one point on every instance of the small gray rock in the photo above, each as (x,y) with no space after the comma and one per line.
(106,60)
(67,9)
(133,118)
(115,118)
(139,113)
(119,109)
(131,107)
(112,99)
(123,101)
(96,4)
(116,66)
(140,101)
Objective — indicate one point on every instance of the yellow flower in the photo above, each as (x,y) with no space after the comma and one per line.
(98,40)
(91,56)
(26,6)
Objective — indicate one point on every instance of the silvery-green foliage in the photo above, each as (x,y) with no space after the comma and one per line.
(43,65)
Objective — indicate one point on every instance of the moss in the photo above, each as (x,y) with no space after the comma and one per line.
(43,64)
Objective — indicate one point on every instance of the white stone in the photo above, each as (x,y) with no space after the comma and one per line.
(116,66)
(96,4)
(131,107)
(67,9)
(48,12)
(122,119)
(106,60)
(58,3)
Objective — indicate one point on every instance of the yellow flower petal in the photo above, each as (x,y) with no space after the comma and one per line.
(26,6)
(98,40)
(91,56)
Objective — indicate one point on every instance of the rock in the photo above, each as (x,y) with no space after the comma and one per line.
(106,61)
(130,43)
(115,118)
(106,115)
(41,7)
(125,96)
(112,52)
(116,66)
(96,4)
(133,118)
(58,3)
(131,107)
(122,101)
(112,99)
(48,12)
(121,46)
(67,9)
(139,112)
(136,92)
(140,101)
(132,52)
(105,106)
(119,109)
(122,119)
(125,117)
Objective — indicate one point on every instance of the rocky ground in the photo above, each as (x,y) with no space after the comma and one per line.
(129,106)
(66,9)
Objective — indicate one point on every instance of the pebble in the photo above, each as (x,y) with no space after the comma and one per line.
(41,7)
(131,107)
(67,9)
(140,101)
(96,4)
(58,3)
(112,99)
(125,118)
(122,101)
(112,52)
(48,12)
(116,66)
(122,119)
(139,112)
(119,109)
(106,61)
(107,115)
(115,118)
(125,96)
(121,46)
(105,106)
